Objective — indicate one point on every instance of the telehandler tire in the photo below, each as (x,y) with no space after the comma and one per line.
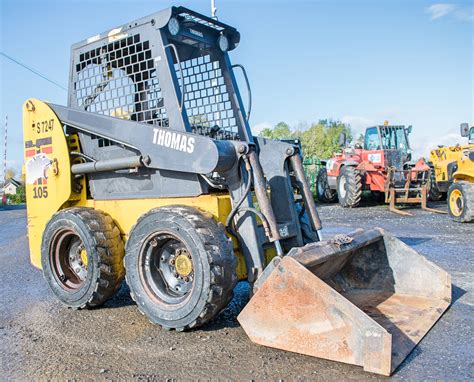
(349,187)
(180,267)
(82,257)
(434,193)
(461,202)
(325,194)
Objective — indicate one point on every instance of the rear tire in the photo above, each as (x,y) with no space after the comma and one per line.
(82,257)
(172,295)
(434,194)
(461,202)
(325,194)
(349,187)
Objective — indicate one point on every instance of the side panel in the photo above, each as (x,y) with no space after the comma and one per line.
(126,213)
(376,157)
(48,176)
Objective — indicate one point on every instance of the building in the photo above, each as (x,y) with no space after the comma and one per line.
(10,187)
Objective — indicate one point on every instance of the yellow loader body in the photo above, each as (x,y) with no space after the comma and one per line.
(454,177)
(443,156)
(46,195)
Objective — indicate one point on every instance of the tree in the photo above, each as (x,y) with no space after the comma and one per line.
(360,140)
(20,196)
(320,140)
(10,173)
(280,131)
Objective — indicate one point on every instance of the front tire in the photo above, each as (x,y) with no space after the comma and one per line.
(180,267)
(349,187)
(82,257)
(461,202)
(325,194)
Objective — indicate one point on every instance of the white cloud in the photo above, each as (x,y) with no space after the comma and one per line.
(459,12)
(257,129)
(358,124)
(422,145)
(436,11)
(465,13)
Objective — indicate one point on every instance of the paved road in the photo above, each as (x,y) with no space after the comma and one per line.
(40,339)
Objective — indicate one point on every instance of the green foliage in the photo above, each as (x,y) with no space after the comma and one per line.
(320,140)
(280,131)
(19,197)
(10,173)
(360,140)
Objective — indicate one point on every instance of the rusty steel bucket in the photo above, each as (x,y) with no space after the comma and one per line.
(365,299)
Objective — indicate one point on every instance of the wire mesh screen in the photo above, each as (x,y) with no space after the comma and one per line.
(119,80)
(206,98)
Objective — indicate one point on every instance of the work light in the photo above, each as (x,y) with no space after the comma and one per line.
(223,43)
(173,26)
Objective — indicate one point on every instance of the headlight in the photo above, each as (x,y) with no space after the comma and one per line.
(223,43)
(173,26)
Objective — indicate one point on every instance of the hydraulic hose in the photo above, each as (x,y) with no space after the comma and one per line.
(236,208)
(230,217)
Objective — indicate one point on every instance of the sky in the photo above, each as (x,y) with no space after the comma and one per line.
(360,62)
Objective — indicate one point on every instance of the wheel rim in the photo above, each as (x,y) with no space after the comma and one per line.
(456,202)
(342,186)
(69,260)
(166,268)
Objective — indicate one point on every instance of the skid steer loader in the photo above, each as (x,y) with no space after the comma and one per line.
(151,173)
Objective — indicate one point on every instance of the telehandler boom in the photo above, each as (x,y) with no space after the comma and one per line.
(151,173)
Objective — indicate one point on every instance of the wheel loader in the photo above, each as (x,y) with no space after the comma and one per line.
(454,176)
(151,173)
(383,166)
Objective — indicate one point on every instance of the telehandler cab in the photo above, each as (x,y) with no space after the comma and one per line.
(152,173)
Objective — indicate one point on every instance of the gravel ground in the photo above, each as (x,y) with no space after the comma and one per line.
(41,339)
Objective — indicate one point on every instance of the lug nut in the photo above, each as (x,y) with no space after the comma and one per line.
(153,243)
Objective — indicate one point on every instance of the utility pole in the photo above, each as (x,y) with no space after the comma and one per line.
(213,9)
(5,151)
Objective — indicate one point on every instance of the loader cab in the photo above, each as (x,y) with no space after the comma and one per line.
(393,140)
(468,132)
(387,138)
(142,70)
(372,139)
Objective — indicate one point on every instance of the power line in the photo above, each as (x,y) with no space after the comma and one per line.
(33,71)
